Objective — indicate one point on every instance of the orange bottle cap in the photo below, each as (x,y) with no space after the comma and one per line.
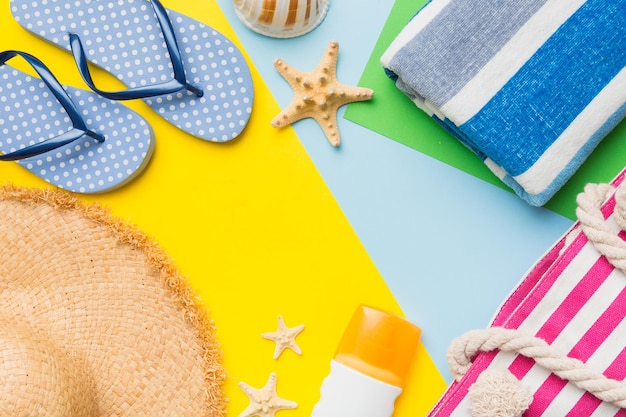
(380,345)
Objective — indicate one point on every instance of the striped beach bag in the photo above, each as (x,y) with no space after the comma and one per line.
(530,86)
(557,345)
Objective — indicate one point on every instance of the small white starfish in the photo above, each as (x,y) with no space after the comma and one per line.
(284,337)
(264,402)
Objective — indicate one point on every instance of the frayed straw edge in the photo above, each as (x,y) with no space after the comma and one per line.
(195,312)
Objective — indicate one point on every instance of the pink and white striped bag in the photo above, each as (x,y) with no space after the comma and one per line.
(561,333)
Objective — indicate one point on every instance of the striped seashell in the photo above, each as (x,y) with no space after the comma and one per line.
(281,18)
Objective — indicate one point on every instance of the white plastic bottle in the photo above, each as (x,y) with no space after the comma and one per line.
(371,365)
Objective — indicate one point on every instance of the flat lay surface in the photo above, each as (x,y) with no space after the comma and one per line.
(279,223)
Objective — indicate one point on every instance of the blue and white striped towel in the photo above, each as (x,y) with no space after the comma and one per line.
(530,86)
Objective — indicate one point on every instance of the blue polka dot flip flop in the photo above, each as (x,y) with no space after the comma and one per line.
(72,138)
(190,74)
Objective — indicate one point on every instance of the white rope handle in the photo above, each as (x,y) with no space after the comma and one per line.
(595,226)
(463,349)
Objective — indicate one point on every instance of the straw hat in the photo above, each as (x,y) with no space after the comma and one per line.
(94,318)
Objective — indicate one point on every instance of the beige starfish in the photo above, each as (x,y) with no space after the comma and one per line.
(264,402)
(284,337)
(318,94)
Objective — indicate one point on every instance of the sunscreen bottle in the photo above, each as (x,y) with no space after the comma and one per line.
(370,367)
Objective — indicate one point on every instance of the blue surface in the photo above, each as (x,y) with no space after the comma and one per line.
(450,246)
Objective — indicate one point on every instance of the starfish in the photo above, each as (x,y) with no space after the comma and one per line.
(318,94)
(264,402)
(284,337)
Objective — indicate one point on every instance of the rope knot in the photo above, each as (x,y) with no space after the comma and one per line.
(497,393)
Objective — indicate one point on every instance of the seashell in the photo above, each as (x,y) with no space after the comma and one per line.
(281,18)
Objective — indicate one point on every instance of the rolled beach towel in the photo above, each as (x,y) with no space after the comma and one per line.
(530,86)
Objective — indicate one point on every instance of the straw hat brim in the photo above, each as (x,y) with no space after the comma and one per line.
(95,319)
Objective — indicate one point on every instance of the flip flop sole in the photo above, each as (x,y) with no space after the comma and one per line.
(29,114)
(124,38)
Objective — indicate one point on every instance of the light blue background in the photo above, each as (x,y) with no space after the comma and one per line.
(450,246)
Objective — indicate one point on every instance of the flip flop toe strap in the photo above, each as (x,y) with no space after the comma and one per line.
(179,82)
(79,128)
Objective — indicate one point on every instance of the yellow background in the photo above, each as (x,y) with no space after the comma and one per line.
(255,229)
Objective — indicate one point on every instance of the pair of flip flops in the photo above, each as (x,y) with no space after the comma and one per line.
(86,141)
